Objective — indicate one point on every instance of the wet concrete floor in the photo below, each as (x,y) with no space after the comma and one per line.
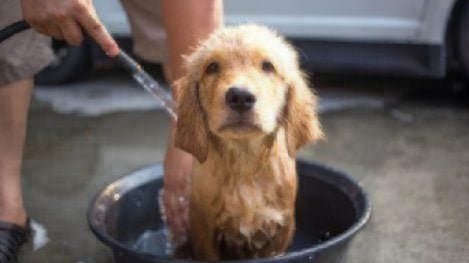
(408,145)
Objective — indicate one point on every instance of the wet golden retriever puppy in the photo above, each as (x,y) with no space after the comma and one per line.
(244,110)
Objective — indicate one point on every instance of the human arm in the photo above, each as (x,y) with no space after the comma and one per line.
(186,23)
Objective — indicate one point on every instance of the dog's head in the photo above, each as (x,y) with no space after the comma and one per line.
(244,82)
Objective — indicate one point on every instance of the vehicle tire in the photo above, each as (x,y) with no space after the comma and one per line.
(70,64)
(463,39)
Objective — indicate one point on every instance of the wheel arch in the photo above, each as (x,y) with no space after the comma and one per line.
(452,34)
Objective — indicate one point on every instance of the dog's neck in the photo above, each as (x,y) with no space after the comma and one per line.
(248,157)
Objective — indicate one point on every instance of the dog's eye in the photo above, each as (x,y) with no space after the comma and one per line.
(212,68)
(267,66)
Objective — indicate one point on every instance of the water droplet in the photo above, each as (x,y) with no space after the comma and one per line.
(161,205)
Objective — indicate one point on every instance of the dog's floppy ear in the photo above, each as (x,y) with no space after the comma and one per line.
(301,121)
(191,130)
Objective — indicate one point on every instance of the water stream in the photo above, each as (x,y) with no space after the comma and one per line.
(155,89)
(151,241)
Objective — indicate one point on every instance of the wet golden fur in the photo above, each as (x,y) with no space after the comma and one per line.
(244,181)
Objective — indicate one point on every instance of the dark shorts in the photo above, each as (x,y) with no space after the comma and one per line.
(148,34)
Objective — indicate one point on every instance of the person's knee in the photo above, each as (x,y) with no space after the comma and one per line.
(19,86)
(14,102)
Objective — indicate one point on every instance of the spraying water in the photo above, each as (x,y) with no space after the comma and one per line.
(159,241)
(148,83)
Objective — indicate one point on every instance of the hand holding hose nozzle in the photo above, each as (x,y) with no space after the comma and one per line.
(68,20)
(122,59)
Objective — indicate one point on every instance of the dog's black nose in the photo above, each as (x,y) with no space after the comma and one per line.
(239,99)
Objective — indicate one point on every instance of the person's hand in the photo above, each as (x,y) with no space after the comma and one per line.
(177,174)
(65,19)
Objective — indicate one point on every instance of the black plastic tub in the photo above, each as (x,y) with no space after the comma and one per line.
(331,208)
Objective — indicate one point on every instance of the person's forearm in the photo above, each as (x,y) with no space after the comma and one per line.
(187,22)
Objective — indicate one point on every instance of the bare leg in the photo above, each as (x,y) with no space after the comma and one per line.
(186,23)
(14,103)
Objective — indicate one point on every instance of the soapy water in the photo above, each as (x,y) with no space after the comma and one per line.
(152,86)
(157,242)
